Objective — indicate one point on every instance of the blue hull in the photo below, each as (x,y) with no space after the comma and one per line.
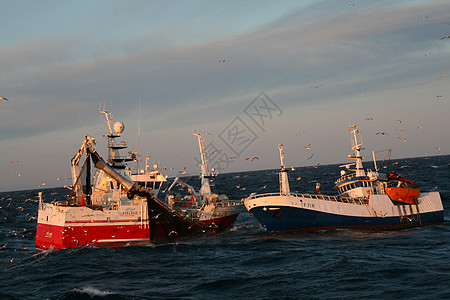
(294,219)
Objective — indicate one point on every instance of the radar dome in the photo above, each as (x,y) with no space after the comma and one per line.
(119,127)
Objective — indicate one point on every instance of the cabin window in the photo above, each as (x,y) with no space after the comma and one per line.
(141,183)
(157,185)
(111,184)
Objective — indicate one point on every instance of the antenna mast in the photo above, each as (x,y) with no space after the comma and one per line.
(139,134)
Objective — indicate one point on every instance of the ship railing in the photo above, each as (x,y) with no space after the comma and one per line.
(345,177)
(359,201)
(227,203)
(118,145)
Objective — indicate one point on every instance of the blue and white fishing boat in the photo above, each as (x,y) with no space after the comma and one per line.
(366,200)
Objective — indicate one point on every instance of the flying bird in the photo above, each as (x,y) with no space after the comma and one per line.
(252,159)
(15,162)
(369,119)
(382,133)
(311,156)
(445,37)
(3,98)
(183,171)
(439,96)
(316,86)
(300,132)
(424,17)
(308,147)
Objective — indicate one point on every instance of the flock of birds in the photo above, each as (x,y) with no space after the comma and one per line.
(6,204)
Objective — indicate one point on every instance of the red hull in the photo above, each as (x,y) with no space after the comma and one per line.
(109,234)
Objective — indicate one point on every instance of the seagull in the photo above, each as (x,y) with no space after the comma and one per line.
(4,246)
(15,162)
(419,127)
(308,147)
(3,98)
(399,121)
(206,133)
(292,168)
(382,133)
(439,96)
(183,172)
(424,17)
(301,132)
(369,119)
(363,94)
(445,37)
(311,156)
(316,86)
(298,178)
(252,159)
(428,54)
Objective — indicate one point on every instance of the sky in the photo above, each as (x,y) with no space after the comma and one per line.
(253,74)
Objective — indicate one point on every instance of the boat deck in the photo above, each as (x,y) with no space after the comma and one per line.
(359,201)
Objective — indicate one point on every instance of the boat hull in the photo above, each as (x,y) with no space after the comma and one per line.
(62,227)
(293,213)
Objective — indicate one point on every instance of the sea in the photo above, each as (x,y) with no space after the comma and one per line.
(243,262)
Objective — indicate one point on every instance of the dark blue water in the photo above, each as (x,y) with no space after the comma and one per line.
(243,262)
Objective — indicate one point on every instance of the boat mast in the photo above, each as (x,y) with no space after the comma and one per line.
(284,182)
(357,147)
(113,147)
(205,176)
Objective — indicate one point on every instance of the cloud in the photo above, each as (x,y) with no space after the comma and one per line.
(346,50)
